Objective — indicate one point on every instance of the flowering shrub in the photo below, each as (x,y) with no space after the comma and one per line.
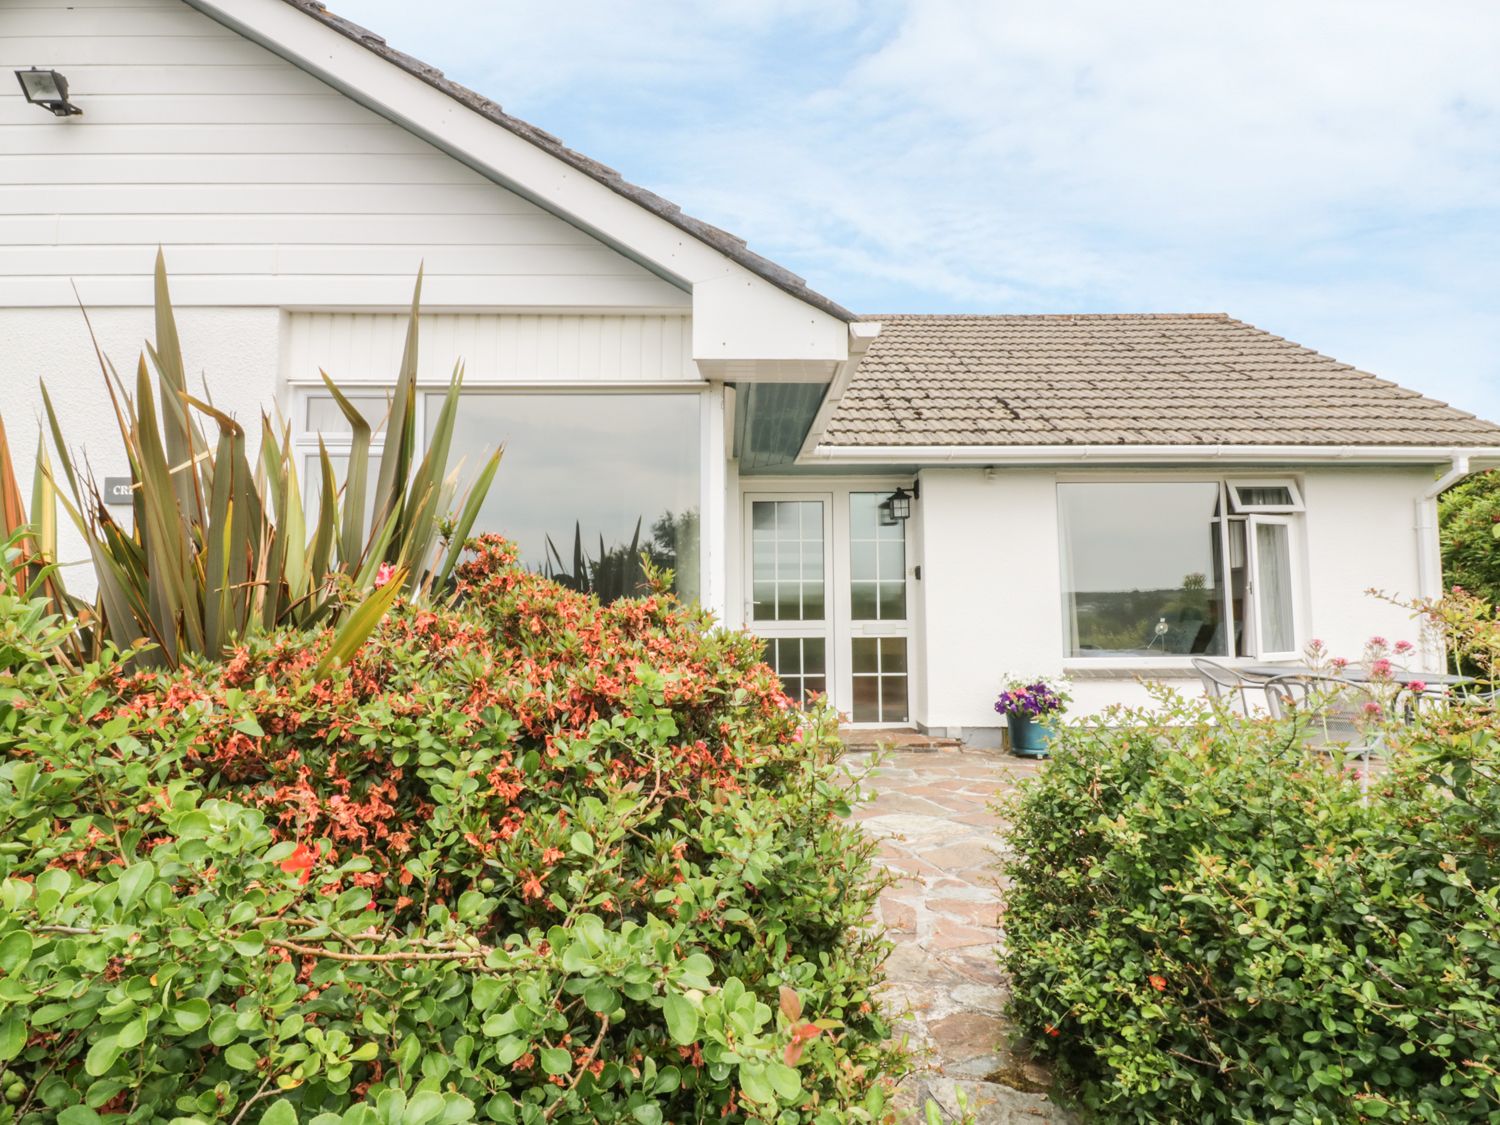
(526,859)
(1035,699)
(1205,922)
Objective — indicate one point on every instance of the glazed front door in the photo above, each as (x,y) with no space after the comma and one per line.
(790,548)
(828,591)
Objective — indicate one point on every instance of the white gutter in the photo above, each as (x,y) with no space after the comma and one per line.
(1141,454)
(1429,550)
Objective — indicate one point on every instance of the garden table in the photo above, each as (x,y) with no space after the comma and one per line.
(1354,674)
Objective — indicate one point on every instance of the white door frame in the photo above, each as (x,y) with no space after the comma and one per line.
(839,625)
(775,629)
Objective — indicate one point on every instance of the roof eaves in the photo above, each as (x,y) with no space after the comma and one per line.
(731,246)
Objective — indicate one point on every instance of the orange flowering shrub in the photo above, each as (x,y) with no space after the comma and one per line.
(525,857)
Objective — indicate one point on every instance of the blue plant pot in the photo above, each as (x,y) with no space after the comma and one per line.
(1028,738)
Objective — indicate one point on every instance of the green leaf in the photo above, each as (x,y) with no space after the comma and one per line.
(486,993)
(582,843)
(754,1083)
(133,1034)
(133,882)
(682,1018)
(556,1061)
(78,1115)
(12,1036)
(282,1112)
(358,626)
(241,1056)
(192,1014)
(423,1107)
(102,1056)
(15,951)
(784,1080)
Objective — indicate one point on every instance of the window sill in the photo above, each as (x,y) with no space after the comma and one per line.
(1130,670)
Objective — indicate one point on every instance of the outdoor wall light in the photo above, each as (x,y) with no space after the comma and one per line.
(48,89)
(897,507)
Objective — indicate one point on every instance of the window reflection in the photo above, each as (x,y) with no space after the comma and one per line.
(1142,569)
(589,482)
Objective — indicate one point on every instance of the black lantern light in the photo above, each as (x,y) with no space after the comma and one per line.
(48,89)
(896,508)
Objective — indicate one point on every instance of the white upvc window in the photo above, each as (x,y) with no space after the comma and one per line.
(1279,496)
(587,473)
(1162,570)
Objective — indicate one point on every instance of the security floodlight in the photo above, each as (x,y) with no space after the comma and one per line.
(48,89)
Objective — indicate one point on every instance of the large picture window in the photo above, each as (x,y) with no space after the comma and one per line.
(1177,568)
(589,481)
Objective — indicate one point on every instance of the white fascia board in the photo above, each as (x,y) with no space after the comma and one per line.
(862,334)
(735,313)
(1145,454)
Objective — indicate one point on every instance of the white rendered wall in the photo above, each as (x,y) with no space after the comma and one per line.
(234,349)
(992,590)
(1361,533)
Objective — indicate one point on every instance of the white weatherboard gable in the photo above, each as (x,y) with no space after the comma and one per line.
(737,315)
(265,185)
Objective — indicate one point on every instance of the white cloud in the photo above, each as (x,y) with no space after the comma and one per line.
(1329,170)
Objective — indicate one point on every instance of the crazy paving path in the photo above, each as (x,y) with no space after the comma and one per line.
(938,835)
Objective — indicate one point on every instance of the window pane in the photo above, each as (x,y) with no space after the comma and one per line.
(325,417)
(1141,576)
(864,603)
(604,470)
(893,699)
(892,601)
(877,553)
(312,486)
(798,661)
(1264,495)
(1273,595)
(786,548)
(879,667)
(893,654)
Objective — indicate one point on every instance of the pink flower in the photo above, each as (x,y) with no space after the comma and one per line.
(1378,642)
(1372,709)
(384,574)
(1417,686)
(1403,647)
(1380,669)
(1339,663)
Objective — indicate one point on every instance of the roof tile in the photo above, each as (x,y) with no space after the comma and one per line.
(1124,379)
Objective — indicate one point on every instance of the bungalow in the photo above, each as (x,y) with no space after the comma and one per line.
(904,507)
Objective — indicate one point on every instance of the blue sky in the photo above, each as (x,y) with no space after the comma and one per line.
(1327,171)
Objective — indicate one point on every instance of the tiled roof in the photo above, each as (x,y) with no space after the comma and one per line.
(729,245)
(1192,379)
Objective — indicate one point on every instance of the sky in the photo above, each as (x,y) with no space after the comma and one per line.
(1328,170)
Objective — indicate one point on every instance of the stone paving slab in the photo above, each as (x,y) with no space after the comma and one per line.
(938,835)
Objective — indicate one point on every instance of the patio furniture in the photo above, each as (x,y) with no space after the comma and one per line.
(1354,674)
(1331,712)
(1223,683)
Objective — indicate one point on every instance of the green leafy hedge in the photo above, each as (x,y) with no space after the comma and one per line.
(1469,532)
(526,859)
(1206,923)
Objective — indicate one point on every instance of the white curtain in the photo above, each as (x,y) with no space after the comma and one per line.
(1273,594)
